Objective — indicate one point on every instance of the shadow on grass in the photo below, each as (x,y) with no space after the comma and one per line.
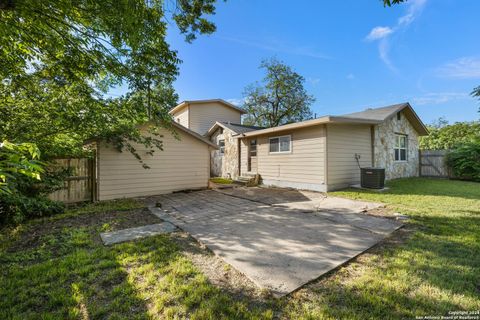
(83,279)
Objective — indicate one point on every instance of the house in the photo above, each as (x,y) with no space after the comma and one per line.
(321,154)
(325,154)
(184,163)
(201,115)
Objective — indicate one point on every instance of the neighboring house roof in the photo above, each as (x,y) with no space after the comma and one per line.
(183,104)
(385,113)
(369,116)
(235,127)
(175,125)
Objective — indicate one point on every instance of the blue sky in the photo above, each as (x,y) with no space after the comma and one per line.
(353,54)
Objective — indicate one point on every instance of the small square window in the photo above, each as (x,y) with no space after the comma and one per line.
(399,116)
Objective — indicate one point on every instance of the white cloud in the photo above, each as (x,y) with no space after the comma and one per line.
(383,51)
(439,97)
(278,46)
(414,10)
(383,33)
(350,76)
(378,33)
(462,68)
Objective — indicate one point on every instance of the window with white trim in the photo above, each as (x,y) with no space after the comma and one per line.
(221,145)
(281,144)
(400,148)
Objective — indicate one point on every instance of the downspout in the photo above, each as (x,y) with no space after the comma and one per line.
(372,136)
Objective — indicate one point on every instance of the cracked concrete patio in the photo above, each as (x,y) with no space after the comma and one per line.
(279,239)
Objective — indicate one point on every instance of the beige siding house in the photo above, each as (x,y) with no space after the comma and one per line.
(325,154)
(184,163)
(201,115)
(321,154)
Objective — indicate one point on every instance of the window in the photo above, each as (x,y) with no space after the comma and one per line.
(400,147)
(253,148)
(399,116)
(221,144)
(280,144)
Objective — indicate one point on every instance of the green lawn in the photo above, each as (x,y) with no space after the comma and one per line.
(221,180)
(57,268)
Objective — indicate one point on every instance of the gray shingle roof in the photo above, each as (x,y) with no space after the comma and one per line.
(379,114)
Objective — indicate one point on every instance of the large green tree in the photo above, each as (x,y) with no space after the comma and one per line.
(59,59)
(279,99)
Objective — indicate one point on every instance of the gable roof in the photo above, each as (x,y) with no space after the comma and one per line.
(235,127)
(175,125)
(194,134)
(369,116)
(185,103)
(385,113)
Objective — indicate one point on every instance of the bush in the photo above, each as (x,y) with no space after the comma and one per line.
(28,199)
(444,136)
(15,208)
(465,161)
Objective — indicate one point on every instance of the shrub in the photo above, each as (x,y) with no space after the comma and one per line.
(28,199)
(16,207)
(449,136)
(465,161)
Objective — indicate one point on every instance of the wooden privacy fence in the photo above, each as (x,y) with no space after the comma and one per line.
(81,185)
(432,164)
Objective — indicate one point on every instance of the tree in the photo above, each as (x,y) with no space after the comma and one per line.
(444,136)
(280,99)
(59,59)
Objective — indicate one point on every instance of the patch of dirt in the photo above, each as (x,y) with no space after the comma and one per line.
(116,220)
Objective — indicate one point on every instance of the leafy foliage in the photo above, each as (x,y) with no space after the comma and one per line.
(60,59)
(465,161)
(444,136)
(280,99)
(17,160)
(389,3)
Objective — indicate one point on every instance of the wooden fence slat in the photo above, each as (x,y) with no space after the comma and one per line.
(432,164)
(79,186)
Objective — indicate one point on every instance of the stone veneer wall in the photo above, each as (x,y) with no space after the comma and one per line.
(225,165)
(384,153)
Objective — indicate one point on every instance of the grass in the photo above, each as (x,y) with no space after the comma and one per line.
(221,180)
(433,269)
(57,269)
(62,271)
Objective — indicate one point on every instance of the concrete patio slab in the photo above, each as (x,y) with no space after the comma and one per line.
(301,200)
(113,237)
(279,248)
